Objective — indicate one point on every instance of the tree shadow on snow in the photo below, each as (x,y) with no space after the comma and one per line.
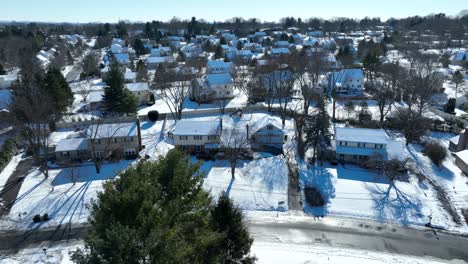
(393,204)
(322,179)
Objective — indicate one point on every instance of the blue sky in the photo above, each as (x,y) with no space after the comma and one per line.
(146,10)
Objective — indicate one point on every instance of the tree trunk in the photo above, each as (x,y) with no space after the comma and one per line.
(334,109)
(233,170)
(98,168)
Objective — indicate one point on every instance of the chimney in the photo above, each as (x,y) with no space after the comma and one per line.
(138,123)
(247,130)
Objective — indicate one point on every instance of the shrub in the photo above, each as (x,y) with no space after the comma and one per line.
(153,115)
(7,151)
(435,151)
(313,197)
(450,106)
(45,217)
(37,218)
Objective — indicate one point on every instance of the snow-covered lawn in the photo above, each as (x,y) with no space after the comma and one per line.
(449,176)
(297,253)
(267,253)
(351,191)
(9,169)
(354,192)
(259,184)
(58,197)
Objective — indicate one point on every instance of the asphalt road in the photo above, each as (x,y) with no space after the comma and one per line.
(341,233)
(372,237)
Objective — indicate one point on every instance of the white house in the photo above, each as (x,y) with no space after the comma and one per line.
(358,144)
(267,133)
(218,66)
(196,136)
(347,81)
(141,91)
(130,76)
(213,87)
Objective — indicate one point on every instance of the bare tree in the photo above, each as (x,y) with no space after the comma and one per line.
(241,76)
(234,142)
(32,110)
(173,87)
(73,172)
(279,85)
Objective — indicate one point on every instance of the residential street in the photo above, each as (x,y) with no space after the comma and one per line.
(336,232)
(371,236)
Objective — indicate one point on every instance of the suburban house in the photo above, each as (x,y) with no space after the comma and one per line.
(94,100)
(153,62)
(130,76)
(461,160)
(196,136)
(267,134)
(72,149)
(160,52)
(114,141)
(141,91)
(217,66)
(122,58)
(347,81)
(358,144)
(459,145)
(213,87)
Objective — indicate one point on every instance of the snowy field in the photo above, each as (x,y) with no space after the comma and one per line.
(259,184)
(295,253)
(266,252)
(358,193)
(64,202)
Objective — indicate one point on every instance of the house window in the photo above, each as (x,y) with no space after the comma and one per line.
(197,148)
(99,154)
(184,147)
(363,145)
(183,137)
(131,139)
(346,143)
(99,141)
(212,137)
(65,154)
(197,137)
(129,151)
(270,127)
(285,137)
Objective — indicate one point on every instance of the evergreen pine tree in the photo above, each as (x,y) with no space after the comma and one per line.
(2,71)
(239,45)
(116,97)
(139,47)
(57,88)
(317,128)
(219,53)
(228,220)
(154,212)
(222,41)
(142,72)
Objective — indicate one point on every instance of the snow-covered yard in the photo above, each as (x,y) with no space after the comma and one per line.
(351,191)
(57,196)
(258,185)
(354,192)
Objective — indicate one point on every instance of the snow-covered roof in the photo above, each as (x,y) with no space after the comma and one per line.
(137,87)
(95,96)
(463,155)
(122,57)
(364,135)
(279,51)
(219,79)
(69,144)
(130,75)
(112,130)
(158,59)
(218,64)
(345,74)
(190,127)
